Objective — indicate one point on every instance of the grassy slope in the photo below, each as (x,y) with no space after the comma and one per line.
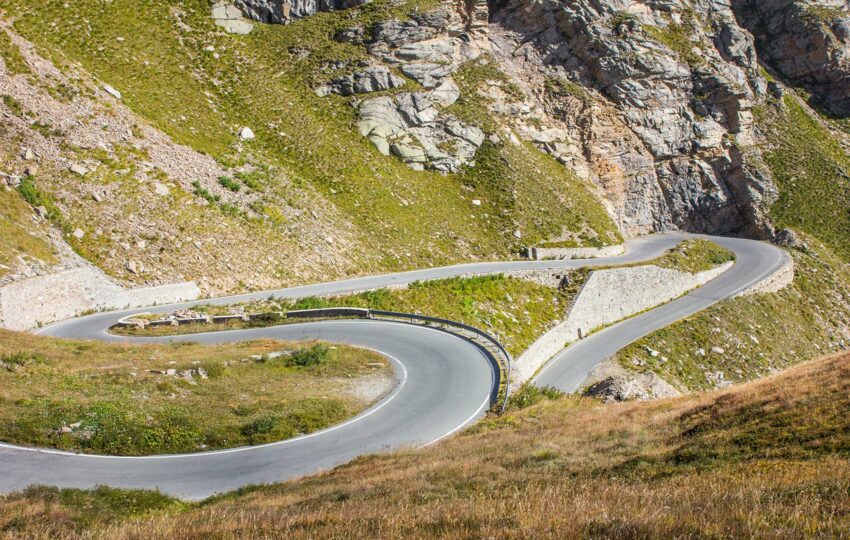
(46,384)
(15,237)
(515,311)
(691,256)
(768,459)
(812,172)
(758,333)
(261,80)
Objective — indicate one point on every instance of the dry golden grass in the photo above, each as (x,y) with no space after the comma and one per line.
(766,459)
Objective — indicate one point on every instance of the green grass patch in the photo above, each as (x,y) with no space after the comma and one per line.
(677,38)
(515,311)
(14,106)
(16,238)
(83,509)
(139,400)
(473,108)
(11,55)
(228,183)
(812,172)
(824,15)
(508,179)
(694,256)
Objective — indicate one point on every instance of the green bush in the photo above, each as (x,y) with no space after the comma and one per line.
(36,198)
(260,426)
(317,354)
(228,183)
(530,395)
(202,192)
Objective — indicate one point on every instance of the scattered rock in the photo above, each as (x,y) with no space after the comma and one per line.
(112,91)
(285,11)
(161,189)
(79,234)
(78,169)
(246,134)
(718,350)
(133,267)
(354,34)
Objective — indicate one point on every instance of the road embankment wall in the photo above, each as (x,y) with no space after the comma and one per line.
(609,296)
(775,282)
(540,253)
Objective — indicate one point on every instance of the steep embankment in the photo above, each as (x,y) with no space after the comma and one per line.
(764,459)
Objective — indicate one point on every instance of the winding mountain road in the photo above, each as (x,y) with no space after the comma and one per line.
(445,381)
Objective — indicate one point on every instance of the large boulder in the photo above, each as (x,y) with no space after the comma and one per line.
(371,79)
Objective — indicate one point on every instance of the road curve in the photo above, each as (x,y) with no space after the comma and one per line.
(445,381)
(754,261)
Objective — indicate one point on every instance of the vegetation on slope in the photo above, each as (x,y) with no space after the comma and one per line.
(122,400)
(747,337)
(694,256)
(16,240)
(812,172)
(515,311)
(765,459)
(154,53)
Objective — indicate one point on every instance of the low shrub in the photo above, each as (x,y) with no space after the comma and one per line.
(311,356)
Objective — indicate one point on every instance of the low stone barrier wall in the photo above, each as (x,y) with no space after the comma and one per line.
(609,296)
(540,253)
(776,281)
(40,300)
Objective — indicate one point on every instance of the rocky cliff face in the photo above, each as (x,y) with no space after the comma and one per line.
(808,42)
(654,99)
(284,11)
(650,101)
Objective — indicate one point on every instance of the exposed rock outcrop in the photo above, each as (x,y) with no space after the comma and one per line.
(284,11)
(807,42)
(652,101)
(611,382)
(371,79)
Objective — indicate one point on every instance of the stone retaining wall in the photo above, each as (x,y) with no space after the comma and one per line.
(609,296)
(540,253)
(40,300)
(776,281)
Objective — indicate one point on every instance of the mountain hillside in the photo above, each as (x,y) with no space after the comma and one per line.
(177,140)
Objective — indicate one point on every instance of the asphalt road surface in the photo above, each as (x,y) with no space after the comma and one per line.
(444,382)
